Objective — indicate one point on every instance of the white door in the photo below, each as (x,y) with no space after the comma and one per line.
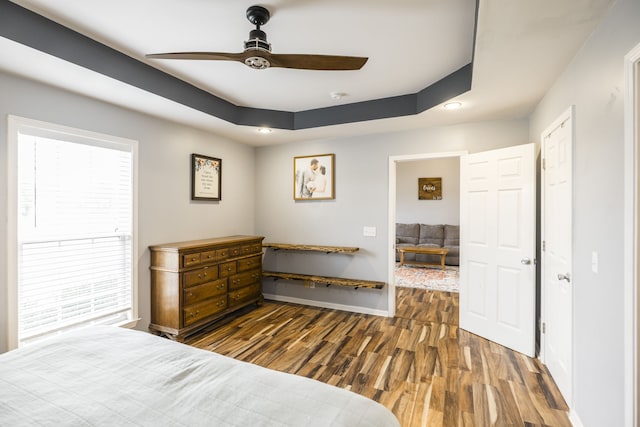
(497,246)
(557,294)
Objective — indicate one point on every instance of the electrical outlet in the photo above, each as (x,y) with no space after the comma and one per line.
(369,232)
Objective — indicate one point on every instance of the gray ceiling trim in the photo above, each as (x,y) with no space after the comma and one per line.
(30,29)
(453,85)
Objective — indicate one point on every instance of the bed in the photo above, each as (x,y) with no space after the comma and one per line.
(119,377)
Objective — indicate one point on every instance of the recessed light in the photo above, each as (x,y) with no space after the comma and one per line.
(264,130)
(338,95)
(452,105)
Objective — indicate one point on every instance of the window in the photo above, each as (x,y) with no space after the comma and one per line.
(72,230)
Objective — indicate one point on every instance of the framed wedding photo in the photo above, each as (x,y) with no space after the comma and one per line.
(314,177)
(206,178)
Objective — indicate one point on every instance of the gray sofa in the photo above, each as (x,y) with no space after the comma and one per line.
(437,236)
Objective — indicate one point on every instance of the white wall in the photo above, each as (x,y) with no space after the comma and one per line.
(361,200)
(257,188)
(166,213)
(594,83)
(412,210)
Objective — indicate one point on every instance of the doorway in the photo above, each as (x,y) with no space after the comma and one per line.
(497,243)
(393,163)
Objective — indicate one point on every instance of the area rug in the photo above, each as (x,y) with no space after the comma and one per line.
(427,278)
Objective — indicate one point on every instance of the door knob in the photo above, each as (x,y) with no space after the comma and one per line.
(566,277)
(525,261)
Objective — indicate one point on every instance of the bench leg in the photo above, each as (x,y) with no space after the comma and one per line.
(401,258)
(442,262)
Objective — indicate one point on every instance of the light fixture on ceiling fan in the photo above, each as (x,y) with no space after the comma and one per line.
(257,52)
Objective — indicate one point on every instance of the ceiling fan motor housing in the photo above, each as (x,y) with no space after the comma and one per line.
(257,40)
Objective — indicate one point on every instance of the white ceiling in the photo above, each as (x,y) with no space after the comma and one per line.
(521,47)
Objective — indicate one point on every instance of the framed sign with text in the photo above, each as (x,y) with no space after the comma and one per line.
(206,178)
(429,188)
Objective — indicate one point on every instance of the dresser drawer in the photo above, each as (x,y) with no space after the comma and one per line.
(197,312)
(235,251)
(201,275)
(241,295)
(254,248)
(228,269)
(222,254)
(208,257)
(244,279)
(199,293)
(249,263)
(190,260)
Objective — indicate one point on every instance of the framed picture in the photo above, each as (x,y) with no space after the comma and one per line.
(429,188)
(314,177)
(206,178)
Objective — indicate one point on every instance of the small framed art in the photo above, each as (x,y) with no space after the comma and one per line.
(206,178)
(429,188)
(314,177)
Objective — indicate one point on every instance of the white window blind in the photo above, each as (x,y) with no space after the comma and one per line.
(74,232)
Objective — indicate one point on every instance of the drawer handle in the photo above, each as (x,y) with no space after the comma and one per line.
(220,303)
(220,286)
(228,268)
(209,256)
(190,294)
(193,259)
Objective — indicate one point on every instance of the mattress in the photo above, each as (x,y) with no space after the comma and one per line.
(110,376)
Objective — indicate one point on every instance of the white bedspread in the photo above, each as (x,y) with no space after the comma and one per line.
(118,377)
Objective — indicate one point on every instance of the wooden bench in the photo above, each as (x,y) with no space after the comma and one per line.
(423,250)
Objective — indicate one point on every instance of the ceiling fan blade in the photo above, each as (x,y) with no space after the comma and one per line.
(317,62)
(257,53)
(219,56)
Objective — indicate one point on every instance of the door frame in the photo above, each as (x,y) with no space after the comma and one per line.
(391,255)
(632,237)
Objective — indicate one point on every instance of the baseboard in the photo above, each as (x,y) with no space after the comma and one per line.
(333,306)
(575,420)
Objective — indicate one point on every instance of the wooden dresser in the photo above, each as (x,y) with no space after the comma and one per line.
(196,282)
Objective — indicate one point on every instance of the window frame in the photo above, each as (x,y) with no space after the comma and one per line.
(15,125)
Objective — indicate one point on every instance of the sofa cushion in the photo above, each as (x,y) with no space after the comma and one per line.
(452,242)
(407,233)
(431,234)
(451,235)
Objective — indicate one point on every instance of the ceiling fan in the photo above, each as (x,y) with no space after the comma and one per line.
(257,52)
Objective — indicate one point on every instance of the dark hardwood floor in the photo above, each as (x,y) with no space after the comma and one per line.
(418,364)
